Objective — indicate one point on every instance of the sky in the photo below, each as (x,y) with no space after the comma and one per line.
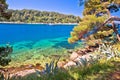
(61,6)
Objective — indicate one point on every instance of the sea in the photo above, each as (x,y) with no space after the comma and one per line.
(34,43)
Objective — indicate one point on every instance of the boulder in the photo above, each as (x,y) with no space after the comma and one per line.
(23,73)
(60,64)
(69,64)
(81,53)
(74,55)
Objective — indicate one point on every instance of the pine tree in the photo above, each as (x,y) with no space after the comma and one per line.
(3,9)
(92,27)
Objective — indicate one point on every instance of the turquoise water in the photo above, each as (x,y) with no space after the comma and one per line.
(32,41)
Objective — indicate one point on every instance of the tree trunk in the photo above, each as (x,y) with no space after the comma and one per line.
(113,18)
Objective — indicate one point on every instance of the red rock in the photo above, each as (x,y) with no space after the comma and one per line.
(39,67)
(23,73)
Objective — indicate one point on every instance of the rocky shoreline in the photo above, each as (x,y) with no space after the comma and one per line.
(76,55)
(25,70)
(21,71)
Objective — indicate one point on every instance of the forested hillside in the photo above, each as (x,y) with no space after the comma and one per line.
(34,16)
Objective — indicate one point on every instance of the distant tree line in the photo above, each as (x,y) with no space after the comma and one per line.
(34,16)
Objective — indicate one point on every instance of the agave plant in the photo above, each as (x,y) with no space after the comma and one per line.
(81,62)
(108,51)
(2,77)
(104,51)
(84,61)
(50,68)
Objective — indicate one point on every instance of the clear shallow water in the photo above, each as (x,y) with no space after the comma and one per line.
(32,41)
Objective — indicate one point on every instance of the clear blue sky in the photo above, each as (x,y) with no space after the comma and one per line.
(62,6)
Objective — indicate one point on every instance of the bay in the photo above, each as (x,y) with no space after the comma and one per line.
(32,42)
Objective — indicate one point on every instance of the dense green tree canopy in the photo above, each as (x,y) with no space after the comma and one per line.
(34,16)
(95,6)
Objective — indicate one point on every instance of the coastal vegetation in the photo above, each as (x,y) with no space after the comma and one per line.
(35,16)
(98,59)
(4,55)
(93,25)
(96,28)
